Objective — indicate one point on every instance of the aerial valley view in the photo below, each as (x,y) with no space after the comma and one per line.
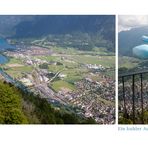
(57,69)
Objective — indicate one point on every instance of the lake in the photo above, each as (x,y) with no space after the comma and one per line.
(3,59)
(5,45)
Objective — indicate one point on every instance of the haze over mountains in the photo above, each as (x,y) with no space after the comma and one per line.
(37,26)
(131,38)
(7,23)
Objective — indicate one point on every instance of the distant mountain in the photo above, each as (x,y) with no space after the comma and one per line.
(99,27)
(131,38)
(56,24)
(8,22)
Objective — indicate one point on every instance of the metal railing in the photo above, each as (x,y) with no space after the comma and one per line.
(131,77)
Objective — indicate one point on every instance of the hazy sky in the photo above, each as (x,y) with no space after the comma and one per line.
(126,22)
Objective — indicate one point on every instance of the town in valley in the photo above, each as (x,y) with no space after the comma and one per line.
(82,81)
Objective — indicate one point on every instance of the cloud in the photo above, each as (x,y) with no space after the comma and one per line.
(127,22)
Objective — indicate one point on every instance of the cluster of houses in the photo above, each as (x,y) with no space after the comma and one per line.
(95,67)
(86,97)
(89,93)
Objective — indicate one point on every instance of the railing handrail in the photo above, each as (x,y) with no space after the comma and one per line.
(132,73)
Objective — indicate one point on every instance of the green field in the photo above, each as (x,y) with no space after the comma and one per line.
(73,67)
(14,61)
(55,68)
(58,85)
(16,72)
(106,61)
(49,58)
(128,62)
(74,75)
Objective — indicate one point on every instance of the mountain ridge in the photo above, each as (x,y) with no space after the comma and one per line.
(20,26)
(131,38)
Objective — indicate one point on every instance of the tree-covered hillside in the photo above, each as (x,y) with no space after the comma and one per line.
(10,105)
(18,107)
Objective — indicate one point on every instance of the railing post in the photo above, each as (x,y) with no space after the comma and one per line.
(133,97)
(124,102)
(142,100)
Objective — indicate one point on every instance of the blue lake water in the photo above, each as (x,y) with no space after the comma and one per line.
(5,45)
(3,59)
